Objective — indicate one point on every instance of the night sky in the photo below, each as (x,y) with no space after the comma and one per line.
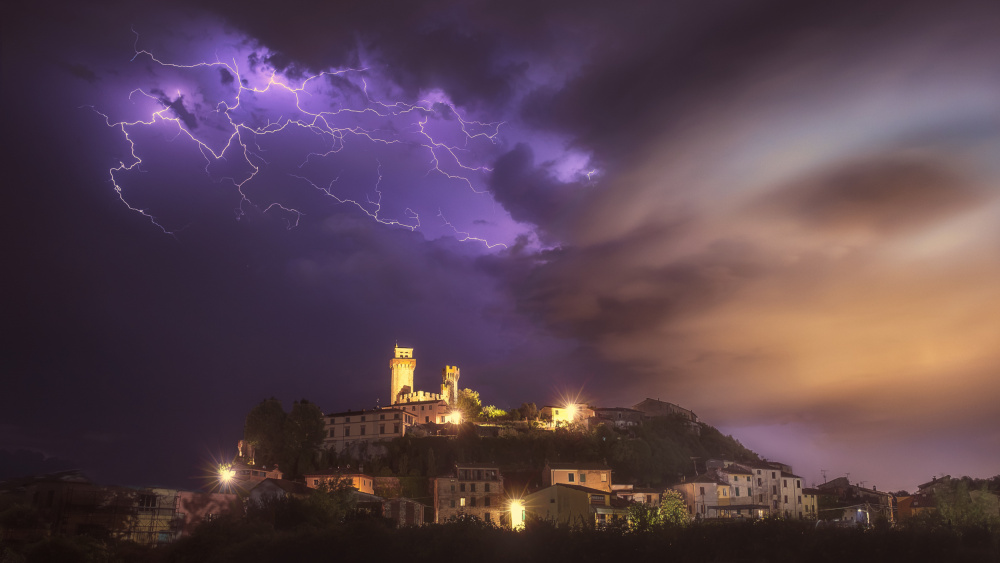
(784,216)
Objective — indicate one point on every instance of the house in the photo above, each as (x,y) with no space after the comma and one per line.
(620,417)
(701,495)
(470,490)
(777,488)
(844,494)
(333,477)
(349,429)
(585,474)
(569,414)
(641,495)
(404,511)
(279,489)
(810,502)
(575,505)
(654,407)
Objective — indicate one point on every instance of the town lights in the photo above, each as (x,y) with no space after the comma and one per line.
(516,514)
(455,417)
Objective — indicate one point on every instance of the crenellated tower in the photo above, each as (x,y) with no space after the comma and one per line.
(402,366)
(449,385)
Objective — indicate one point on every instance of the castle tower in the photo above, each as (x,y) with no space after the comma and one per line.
(402,366)
(449,385)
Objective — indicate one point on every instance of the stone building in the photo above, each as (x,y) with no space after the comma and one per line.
(471,489)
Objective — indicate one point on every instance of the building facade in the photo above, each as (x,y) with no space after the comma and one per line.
(351,428)
(471,490)
(591,475)
(334,477)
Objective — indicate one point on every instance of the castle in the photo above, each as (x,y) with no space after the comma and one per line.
(423,405)
(402,366)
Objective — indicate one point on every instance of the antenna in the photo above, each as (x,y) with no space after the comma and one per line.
(823,473)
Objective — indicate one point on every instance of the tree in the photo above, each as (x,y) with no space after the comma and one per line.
(469,403)
(491,412)
(672,509)
(643,517)
(304,433)
(265,429)
(528,411)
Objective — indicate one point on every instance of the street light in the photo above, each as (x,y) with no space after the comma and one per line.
(516,514)
(226,476)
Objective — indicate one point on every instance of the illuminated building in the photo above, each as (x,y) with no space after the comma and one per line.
(334,477)
(353,428)
(776,487)
(701,495)
(592,475)
(569,414)
(575,505)
(425,406)
(473,490)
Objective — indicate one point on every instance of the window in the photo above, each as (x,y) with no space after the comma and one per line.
(570,477)
(331,432)
(786,499)
(725,492)
(395,429)
(761,498)
(702,490)
(486,487)
(347,431)
(362,429)
(486,516)
(800,499)
(316,482)
(604,477)
(472,487)
(461,487)
(758,472)
(362,418)
(784,483)
(453,487)
(461,501)
(798,484)
(347,419)
(145,501)
(381,417)
(759,481)
(396,416)
(748,478)
(737,491)
(427,419)
(774,475)
(486,502)
(583,477)
(774,489)
(453,503)
(381,429)
(472,501)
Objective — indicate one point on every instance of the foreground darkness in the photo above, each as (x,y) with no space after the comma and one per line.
(773,541)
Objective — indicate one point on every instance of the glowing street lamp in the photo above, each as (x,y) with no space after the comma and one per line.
(226,476)
(571,412)
(455,417)
(516,514)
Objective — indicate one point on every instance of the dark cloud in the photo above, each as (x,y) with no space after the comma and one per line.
(879,195)
(528,191)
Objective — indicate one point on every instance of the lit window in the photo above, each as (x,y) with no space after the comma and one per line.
(604,477)
(461,501)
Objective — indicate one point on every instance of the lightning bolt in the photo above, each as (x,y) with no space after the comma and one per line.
(245,121)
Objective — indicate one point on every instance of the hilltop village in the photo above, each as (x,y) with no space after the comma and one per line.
(509,487)
(441,456)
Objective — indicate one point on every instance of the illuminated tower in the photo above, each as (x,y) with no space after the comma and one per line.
(449,385)
(402,366)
